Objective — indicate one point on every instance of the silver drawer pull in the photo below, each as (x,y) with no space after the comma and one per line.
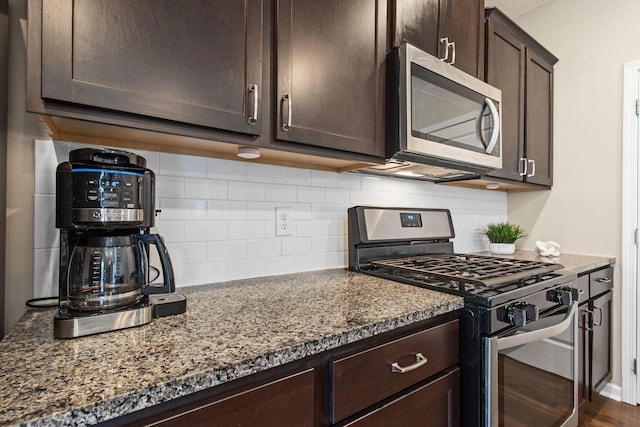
(603,280)
(420,361)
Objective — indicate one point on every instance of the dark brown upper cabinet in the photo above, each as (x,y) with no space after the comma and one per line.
(523,70)
(452,30)
(330,74)
(200,65)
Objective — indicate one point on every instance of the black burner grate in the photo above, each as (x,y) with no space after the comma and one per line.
(467,271)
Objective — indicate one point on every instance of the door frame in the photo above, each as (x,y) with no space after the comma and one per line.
(630,222)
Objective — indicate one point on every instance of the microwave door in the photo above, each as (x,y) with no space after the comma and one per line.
(440,114)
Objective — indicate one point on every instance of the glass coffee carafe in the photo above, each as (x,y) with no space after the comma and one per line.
(110,272)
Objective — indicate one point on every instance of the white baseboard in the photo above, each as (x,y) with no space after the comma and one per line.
(612,391)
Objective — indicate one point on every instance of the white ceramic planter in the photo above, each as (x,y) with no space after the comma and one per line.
(502,248)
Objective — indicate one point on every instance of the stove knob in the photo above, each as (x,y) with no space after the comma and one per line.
(518,314)
(564,295)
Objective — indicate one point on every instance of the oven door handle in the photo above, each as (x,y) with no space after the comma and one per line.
(540,334)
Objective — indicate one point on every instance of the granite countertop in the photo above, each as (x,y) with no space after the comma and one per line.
(230,330)
(574,263)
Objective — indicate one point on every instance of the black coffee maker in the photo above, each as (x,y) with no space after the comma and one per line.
(104,210)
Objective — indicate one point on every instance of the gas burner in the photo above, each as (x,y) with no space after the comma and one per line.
(477,274)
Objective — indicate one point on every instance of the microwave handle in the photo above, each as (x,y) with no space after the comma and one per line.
(495,133)
(540,334)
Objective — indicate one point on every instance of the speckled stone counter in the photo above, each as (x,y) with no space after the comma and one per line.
(230,330)
(575,263)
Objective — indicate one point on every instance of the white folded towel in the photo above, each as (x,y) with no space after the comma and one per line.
(548,248)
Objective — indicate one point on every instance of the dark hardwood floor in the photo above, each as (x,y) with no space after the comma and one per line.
(602,412)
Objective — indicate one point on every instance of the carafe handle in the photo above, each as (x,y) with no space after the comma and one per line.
(165,261)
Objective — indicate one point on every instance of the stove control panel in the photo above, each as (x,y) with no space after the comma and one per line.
(518,314)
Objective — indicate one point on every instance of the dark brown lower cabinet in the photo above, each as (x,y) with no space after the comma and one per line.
(435,404)
(407,377)
(287,401)
(594,332)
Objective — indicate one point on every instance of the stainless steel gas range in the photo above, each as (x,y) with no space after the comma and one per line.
(518,326)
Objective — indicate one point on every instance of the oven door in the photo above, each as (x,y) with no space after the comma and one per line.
(531,373)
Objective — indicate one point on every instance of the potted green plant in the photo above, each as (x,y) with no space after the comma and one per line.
(502,237)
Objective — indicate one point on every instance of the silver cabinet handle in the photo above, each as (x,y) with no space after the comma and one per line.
(420,361)
(253,118)
(448,45)
(522,166)
(587,324)
(604,280)
(445,40)
(599,323)
(453,52)
(286,125)
(533,168)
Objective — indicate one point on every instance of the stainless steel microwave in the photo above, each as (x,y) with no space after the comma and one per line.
(443,124)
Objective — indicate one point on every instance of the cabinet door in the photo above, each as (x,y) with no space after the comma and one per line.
(462,22)
(330,74)
(505,70)
(416,22)
(436,404)
(539,125)
(288,401)
(196,62)
(601,341)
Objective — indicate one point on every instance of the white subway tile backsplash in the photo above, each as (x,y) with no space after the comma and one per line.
(45,272)
(245,191)
(218,216)
(196,231)
(187,252)
(258,172)
(324,179)
(227,250)
(311,194)
(209,272)
(257,248)
(296,245)
(244,269)
(46,234)
(337,195)
(246,230)
(184,166)
(170,187)
(185,209)
(351,181)
(226,170)
(225,209)
(171,231)
(296,176)
(205,188)
(372,183)
(280,193)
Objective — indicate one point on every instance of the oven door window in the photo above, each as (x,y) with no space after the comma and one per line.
(534,381)
(445,112)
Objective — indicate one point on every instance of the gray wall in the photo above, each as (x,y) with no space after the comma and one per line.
(22,129)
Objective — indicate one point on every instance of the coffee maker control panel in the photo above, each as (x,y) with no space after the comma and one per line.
(110,190)
(97,194)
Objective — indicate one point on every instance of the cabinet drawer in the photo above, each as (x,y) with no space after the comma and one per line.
(600,281)
(435,404)
(288,401)
(583,288)
(365,378)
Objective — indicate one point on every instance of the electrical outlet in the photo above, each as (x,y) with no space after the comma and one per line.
(284,221)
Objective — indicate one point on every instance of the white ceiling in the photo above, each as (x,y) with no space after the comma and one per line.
(516,8)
